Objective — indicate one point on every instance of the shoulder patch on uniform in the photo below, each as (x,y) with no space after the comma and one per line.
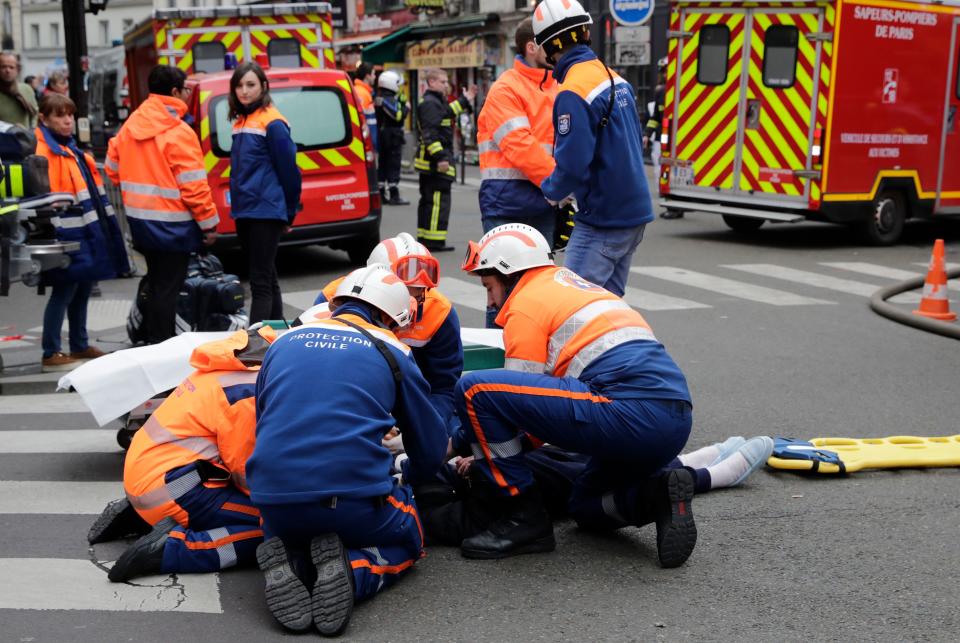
(563,124)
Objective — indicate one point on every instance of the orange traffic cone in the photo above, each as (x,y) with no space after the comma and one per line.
(935,303)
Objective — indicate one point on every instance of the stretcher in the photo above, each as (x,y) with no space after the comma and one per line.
(846,455)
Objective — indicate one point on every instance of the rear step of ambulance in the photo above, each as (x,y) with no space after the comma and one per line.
(717,208)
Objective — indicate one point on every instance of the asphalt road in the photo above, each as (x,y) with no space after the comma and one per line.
(872,556)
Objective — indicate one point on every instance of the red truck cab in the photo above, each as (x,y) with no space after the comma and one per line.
(341,201)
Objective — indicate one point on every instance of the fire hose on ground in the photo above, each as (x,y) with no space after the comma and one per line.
(880,306)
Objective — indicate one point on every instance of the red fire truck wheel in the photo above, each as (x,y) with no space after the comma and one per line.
(885,224)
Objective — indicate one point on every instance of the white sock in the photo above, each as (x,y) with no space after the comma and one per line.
(700,458)
(725,473)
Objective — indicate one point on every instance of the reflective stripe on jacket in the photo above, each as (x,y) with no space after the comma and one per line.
(210,416)
(435,122)
(365,95)
(515,137)
(265,181)
(102,253)
(157,162)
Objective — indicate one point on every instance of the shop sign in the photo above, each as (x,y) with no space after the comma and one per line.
(425,5)
(338,13)
(373,23)
(445,53)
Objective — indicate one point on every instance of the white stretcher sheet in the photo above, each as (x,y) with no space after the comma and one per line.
(119,382)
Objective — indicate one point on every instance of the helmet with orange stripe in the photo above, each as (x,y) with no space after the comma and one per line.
(409,259)
(379,287)
(558,25)
(508,249)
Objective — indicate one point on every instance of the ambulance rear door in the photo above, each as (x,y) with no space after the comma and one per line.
(744,131)
(304,40)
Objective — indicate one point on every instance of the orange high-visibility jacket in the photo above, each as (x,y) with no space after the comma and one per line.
(211,416)
(515,137)
(556,323)
(157,162)
(365,94)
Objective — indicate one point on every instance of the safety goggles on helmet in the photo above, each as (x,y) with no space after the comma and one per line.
(472,260)
(417,270)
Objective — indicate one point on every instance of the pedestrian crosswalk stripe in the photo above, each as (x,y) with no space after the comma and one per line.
(59,441)
(882,271)
(102,314)
(724,286)
(468,294)
(45,497)
(651,301)
(301,299)
(76,584)
(816,280)
(41,404)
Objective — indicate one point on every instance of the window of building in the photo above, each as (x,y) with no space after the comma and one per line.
(318,118)
(127,24)
(35,36)
(780,56)
(54,34)
(105,32)
(713,52)
(284,52)
(209,56)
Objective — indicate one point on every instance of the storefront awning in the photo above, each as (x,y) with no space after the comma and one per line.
(388,49)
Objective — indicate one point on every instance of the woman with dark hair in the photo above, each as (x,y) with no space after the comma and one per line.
(264,184)
(92,222)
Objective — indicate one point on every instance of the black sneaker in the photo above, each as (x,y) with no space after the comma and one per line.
(287,596)
(676,531)
(333,591)
(145,556)
(118,520)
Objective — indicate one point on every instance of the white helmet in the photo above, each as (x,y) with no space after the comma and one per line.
(379,287)
(421,270)
(391,80)
(508,249)
(553,17)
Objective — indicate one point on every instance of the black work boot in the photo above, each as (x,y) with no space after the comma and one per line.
(395,198)
(333,591)
(145,556)
(524,528)
(118,520)
(676,531)
(383,194)
(287,596)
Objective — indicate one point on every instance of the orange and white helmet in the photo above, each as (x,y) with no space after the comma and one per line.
(409,259)
(553,17)
(379,287)
(508,249)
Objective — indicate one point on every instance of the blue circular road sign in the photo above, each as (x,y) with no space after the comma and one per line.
(631,13)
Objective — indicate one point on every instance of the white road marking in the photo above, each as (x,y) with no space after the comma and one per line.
(75,584)
(646,300)
(301,299)
(883,271)
(728,287)
(59,441)
(817,280)
(43,497)
(42,404)
(466,294)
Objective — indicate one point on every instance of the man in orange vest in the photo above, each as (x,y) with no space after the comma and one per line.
(584,372)
(363,86)
(157,162)
(515,137)
(185,472)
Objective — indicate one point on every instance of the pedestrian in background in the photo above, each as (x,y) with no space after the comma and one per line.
(652,132)
(363,79)
(598,153)
(435,161)
(57,83)
(91,222)
(156,160)
(18,103)
(36,83)
(264,184)
(392,110)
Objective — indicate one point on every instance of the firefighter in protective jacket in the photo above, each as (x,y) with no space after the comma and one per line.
(392,110)
(435,161)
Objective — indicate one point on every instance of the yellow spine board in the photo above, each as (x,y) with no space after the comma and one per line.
(895,452)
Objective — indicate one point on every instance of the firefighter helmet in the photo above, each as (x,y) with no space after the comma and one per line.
(559,25)
(409,259)
(379,287)
(391,80)
(508,249)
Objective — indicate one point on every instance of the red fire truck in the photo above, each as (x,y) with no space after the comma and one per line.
(293,42)
(832,110)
